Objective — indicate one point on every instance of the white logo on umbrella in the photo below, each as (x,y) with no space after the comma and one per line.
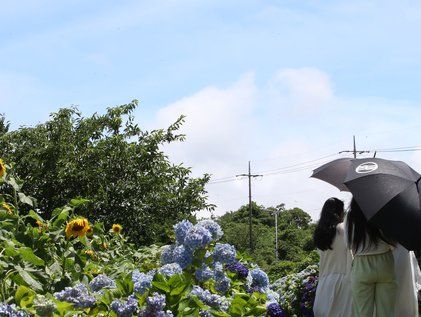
(366,167)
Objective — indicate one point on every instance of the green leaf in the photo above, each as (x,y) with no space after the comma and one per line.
(29,256)
(79,202)
(30,280)
(62,217)
(220,314)
(25,199)
(12,182)
(32,214)
(162,286)
(257,311)
(63,307)
(21,292)
(178,290)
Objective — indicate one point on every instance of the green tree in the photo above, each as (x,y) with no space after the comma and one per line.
(295,237)
(109,160)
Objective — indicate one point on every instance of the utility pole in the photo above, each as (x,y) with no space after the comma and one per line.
(276,212)
(354,151)
(249,175)
(355,148)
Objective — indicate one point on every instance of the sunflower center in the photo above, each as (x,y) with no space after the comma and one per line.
(78,227)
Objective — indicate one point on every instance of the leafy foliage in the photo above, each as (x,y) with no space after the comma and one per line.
(69,266)
(295,237)
(110,161)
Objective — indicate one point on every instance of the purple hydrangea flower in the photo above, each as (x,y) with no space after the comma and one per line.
(11,311)
(125,308)
(203,273)
(240,269)
(182,256)
(223,285)
(181,230)
(212,300)
(213,228)
(274,310)
(308,295)
(77,295)
(101,281)
(197,237)
(222,282)
(170,269)
(142,282)
(224,253)
(155,305)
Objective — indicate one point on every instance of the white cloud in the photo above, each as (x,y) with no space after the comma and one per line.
(227,127)
(217,124)
(303,89)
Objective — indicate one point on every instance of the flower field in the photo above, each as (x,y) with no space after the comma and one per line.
(68,266)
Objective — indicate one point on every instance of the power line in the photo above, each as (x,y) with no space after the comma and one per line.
(298,164)
(302,166)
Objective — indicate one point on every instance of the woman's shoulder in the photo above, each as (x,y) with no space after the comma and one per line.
(340,228)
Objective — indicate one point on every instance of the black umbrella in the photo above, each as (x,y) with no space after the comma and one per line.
(388,193)
(334,172)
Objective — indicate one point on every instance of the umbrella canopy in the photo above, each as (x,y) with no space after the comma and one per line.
(334,172)
(374,182)
(388,193)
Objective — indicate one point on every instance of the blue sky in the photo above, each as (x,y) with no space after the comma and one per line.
(275,82)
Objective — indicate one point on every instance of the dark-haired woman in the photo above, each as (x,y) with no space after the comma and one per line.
(372,275)
(333,293)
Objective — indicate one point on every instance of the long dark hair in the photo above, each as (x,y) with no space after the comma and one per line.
(359,229)
(332,213)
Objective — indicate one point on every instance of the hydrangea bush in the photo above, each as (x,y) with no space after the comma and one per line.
(297,291)
(67,266)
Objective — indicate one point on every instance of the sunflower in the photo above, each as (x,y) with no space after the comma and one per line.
(7,207)
(116,228)
(90,232)
(2,168)
(77,228)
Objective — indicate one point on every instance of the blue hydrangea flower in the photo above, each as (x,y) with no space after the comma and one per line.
(11,311)
(257,280)
(197,237)
(212,300)
(125,308)
(238,268)
(213,227)
(224,253)
(272,296)
(167,254)
(142,282)
(170,269)
(77,295)
(223,285)
(181,230)
(218,271)
(182,256)
(205,313)
(155,305)
(274,310)
(101,281)
(203,273)
(222,282)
